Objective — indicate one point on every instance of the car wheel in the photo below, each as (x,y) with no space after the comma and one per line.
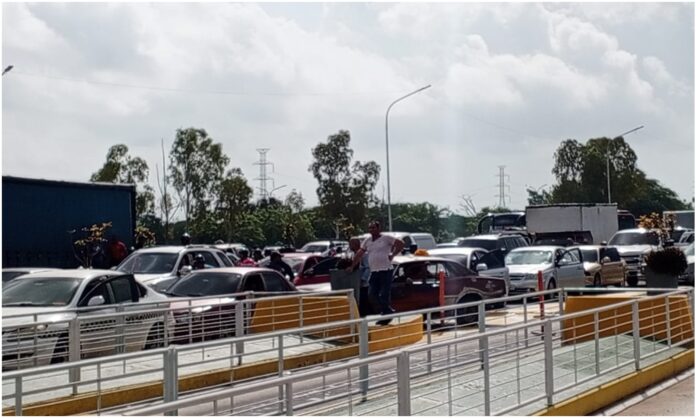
(155,338)
(467,315)
(60,352)
(597,280)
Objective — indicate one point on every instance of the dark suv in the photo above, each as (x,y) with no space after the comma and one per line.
(502,242)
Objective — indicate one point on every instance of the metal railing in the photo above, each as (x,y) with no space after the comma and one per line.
(39,339)
(260,344)
(521,368)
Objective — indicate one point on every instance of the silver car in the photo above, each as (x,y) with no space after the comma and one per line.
(560,267)
(38,308)
(477,259)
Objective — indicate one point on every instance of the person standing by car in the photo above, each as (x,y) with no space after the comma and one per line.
(364,270)
(116,251)
(278,264)
(245,261)
(380,249)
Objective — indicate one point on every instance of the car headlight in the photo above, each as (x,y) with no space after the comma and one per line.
(531,277)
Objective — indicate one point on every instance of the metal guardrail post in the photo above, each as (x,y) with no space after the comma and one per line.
(288,398)
(483,342)
(239,328)
(561,300)
(524,319)
(429,335)
(668,322)
(596,342)
(364,352)
(403,382)
(481,327)
(171,377)
(548,361)
(120,331)
(18,396)
(281,369)
(636,334)
(73,352)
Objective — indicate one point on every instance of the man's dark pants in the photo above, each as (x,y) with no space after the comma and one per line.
(380,290)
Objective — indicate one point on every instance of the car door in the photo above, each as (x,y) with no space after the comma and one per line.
(97,335)
(412,287)
(569,269)
(612,266)
(321,272)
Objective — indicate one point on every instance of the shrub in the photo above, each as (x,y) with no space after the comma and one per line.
(670,260)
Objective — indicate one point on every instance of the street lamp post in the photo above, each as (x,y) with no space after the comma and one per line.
(386,130)
(270,194)
(608,176)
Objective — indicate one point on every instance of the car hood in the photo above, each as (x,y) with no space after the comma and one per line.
(528,268)
(183,304)
(635,249)
(46,313)
(151,278)
(690,259)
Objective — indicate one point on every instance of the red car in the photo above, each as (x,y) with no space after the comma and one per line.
(309,268)
(211,318)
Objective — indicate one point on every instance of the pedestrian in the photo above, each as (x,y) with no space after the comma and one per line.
(116,251)
(281,266)
(364,270)
(185,239)
(381,249)
(257,255)
(244,260)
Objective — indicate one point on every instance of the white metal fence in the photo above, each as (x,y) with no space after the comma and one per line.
(529,365)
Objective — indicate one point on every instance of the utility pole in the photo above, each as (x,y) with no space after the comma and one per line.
(263,173)
(502,186)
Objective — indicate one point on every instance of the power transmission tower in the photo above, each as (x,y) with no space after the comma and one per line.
(502,187)
(263,173)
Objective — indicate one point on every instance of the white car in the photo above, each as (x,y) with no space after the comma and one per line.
(323,246)
(12,273)
(476,259)
(159,267)
(560,267)
(37,309)
(634,245)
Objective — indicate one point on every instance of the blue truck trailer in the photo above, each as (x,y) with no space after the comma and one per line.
(39,217)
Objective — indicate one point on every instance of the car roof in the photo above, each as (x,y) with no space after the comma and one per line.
(412,258)
(173,249)
(27,269)
(82,274)
(636,230)
(486,236)
(236,270)
(456,250)
(538,248)
(590,247)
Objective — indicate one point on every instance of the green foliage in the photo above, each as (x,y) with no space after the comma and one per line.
(121,168)
(581,174)
(233,202)
(91,244)
(670,261)
(345,190)
(196,169)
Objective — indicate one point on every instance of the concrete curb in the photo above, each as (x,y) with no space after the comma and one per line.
(610,393)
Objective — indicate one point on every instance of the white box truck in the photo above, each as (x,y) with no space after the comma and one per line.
(582,223)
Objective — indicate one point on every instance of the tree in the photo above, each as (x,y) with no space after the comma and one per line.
(345,189)
(121,168)
(581,174)
(233,202)
(196,170)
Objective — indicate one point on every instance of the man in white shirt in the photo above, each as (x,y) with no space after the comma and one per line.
(380,249)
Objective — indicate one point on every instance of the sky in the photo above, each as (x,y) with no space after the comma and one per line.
(509,82)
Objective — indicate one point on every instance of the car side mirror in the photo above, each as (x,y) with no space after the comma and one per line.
(309,272)
(503,250)
(606,260)
(185,271)
(96,301)
(481,267)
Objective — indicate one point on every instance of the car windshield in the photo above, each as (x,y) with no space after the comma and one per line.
(528,257)
(315,248)
(589,255)
(635,238)
(206,284)
(45,291)
(9,275)
(459,258)
(295,263)
(149,263)
(488,244)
